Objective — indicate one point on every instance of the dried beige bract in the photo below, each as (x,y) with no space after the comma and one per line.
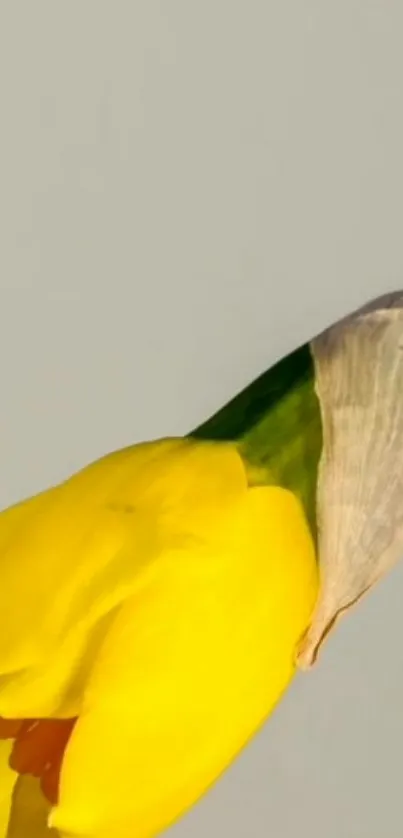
(359,381)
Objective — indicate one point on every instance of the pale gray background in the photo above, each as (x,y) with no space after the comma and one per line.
(187,191)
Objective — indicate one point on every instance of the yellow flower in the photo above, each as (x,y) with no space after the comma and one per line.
(158,597)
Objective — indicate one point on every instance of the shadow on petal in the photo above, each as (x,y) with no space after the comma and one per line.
(29,811)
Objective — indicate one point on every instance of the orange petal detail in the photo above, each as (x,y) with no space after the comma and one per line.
(39,749)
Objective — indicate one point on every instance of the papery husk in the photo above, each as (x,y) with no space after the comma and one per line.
(359,383)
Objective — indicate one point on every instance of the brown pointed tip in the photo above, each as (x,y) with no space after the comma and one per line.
(340,595)
(323,623)
(308,650)
(331,607)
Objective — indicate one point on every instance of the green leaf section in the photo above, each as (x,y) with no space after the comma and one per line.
(276,421)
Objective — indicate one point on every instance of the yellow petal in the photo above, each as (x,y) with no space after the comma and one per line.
(190,668)
(73,554)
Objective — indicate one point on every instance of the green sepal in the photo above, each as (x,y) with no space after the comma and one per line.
(277,422)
